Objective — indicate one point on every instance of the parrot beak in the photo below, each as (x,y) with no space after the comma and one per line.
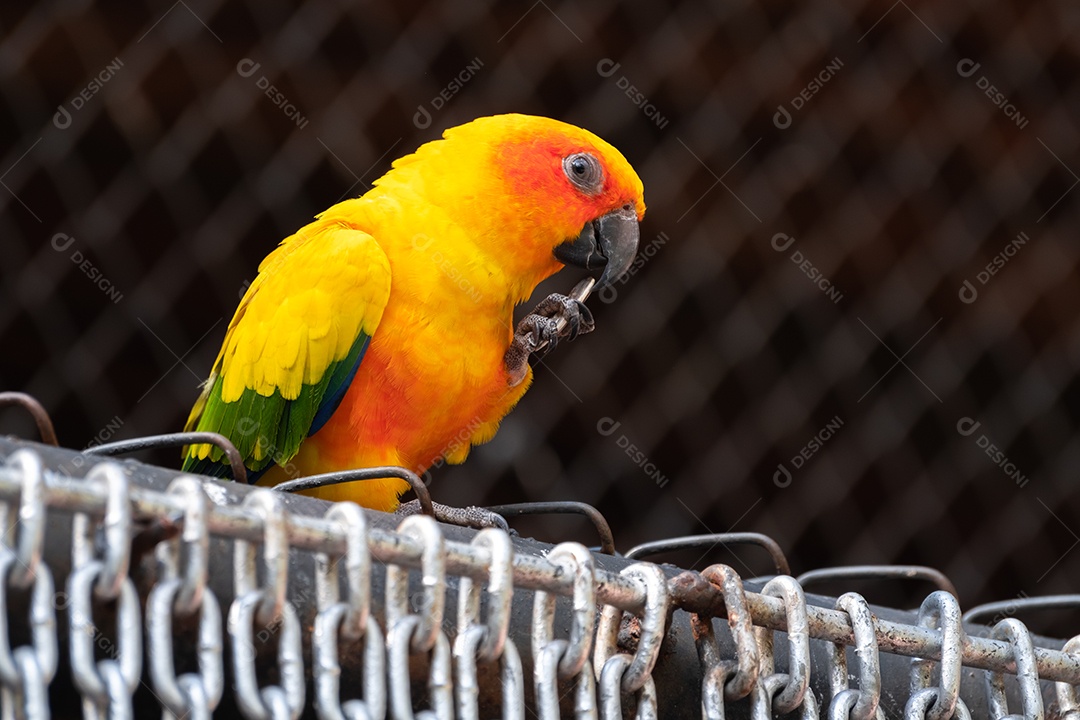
(609,242)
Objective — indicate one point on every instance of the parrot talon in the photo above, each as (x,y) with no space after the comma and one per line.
(471,517)
(556,317)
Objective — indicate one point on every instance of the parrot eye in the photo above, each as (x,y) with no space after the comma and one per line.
(584,171)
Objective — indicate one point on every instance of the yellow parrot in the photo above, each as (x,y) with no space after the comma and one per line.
(382,333)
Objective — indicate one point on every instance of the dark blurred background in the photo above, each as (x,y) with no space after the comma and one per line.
(799,354)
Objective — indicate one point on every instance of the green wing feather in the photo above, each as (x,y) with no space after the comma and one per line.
(292,348)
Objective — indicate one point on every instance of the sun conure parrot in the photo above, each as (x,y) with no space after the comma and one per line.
(382,333)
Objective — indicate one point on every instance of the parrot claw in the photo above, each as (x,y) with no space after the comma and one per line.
(556,317)
(472,517)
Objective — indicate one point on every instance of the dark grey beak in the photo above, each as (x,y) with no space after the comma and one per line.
(609,242)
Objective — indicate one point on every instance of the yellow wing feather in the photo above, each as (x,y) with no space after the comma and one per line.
(313,297)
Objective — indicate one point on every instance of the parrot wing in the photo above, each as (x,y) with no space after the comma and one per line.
(292,349)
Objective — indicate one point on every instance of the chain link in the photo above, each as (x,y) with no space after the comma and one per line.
(115,531)
(575,560)
(192,553)
(266,606)
(488,642)
(351,619)
(21,682)
(730,679)
(419,632)
(1067,699)
(106,685)
(556,659)
(183,593)
(863,703)
(26,671)
(651,628)
(1027,676)
(632,674)
(28,524)
(546,679)
(783,692)
(939,609)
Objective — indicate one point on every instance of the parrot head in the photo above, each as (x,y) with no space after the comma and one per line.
(536,193)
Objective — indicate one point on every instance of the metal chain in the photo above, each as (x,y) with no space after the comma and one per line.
(351,620)
(1067,699)
(183,593)
(419,632)
(106,667)
(942,702)
(725,679)
(566,659)
(106,685)
(863,703)
(28,524)
(27,670)
(1027,676)
(488,642)
(623,673)
(784,692)
(266,606)
(313,534)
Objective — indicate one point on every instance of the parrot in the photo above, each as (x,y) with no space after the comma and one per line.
(382,333)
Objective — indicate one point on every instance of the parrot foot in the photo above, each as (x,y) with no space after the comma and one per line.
(556,317)
(472,517)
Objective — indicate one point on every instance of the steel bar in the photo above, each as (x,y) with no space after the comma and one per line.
(872,572)
(780,562)
(603,529)
(121,447)
(1012,607)
(37,411)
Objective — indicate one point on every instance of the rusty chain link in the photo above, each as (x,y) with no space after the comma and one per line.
(632,674)
(731,679)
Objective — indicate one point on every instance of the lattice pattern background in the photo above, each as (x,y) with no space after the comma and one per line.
(861,265)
